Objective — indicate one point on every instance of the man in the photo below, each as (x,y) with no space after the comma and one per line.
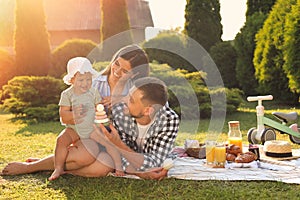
(144,132)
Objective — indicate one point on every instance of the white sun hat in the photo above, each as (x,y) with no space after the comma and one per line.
(78,64)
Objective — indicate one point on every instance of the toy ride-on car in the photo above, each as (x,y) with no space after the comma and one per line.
(266,127)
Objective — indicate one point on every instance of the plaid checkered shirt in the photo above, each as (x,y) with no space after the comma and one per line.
(159,139)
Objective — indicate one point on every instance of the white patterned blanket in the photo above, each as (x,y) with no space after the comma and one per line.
(196,169)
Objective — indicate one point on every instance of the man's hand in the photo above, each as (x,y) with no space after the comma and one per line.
(99,137)
(157,173)
(112,136)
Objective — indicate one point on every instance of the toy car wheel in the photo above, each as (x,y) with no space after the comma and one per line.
(268,134)
(294,139)
(251,136)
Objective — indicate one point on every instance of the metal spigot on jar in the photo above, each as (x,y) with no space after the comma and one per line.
(235,134)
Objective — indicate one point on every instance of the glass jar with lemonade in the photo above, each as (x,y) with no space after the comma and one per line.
(234,134)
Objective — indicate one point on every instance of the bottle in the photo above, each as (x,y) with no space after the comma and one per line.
(254,149)
(234,134)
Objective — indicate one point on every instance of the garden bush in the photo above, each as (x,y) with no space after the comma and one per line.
(187,89)
(37,97)
(33,97)
(155,50)
(67,50)
(7,67)
(43,114)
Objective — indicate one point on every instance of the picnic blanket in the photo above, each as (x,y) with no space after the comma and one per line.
(267,169)
(287,171)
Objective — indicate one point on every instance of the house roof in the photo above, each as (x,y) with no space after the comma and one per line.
(81,14)
(72,14)
(85,14)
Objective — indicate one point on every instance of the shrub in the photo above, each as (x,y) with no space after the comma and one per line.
(33,96)
(233,99)
(43,114)
(172,40)
(188,89)
(7,67)
(67,50)
(37,97)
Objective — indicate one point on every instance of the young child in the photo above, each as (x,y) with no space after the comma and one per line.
(77,112)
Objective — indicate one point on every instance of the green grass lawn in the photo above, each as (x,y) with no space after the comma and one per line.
(19,141)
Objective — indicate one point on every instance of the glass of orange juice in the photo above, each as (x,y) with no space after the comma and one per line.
(220,155)
(210,151)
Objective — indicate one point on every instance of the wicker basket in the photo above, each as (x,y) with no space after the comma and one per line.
(198,152)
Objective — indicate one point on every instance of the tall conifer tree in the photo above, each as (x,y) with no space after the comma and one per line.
(269,53)
(254,6)
(203,22)
(115,26)
(31,39)
(257,12)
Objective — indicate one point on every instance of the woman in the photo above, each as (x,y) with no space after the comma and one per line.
(129,63)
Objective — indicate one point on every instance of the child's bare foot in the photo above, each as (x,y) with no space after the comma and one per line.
(56,174)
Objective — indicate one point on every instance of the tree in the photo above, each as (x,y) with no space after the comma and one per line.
(269,54)
(115,26)
(203,22)
(224,55)
(244,44)
(262,6)
(6,22)
(292,48)
(31,39)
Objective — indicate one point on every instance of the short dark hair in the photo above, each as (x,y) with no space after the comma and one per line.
(154,90)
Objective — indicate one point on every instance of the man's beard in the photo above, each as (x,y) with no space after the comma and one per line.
(137,116)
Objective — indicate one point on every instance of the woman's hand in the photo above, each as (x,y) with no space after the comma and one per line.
(106,101)
(112,100)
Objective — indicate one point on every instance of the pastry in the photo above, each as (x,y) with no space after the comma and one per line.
(246,157)
(233,149)
(230,157)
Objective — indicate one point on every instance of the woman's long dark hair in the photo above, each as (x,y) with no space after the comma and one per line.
(137,58)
